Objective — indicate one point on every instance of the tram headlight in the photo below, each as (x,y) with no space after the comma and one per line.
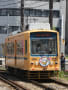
(36,63)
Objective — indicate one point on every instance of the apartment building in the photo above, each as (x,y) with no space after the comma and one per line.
(9,19)
(34,11)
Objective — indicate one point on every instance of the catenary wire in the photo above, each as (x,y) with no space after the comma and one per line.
(20,2)
(25,4)
(25,7)
(11,3)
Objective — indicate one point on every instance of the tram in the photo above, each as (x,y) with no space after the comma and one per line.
(33,54)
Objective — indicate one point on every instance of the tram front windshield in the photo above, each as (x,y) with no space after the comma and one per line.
(44,46)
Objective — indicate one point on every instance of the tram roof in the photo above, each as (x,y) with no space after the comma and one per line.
(29,31)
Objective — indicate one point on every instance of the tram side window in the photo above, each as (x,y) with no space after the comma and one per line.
(25,46)
(20,48)
(10,48)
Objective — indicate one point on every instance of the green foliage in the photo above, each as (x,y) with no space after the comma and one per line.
(66,73)
(66,56)
(54,28)
(61,74)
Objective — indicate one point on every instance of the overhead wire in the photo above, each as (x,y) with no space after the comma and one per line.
(20,2)
(7,0)
(25,4)
(11,3)
(38,6)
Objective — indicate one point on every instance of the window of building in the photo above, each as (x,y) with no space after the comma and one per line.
(45,13)
(11,12)
(41,13)
(25,46)
(26,12)
(57,0)
(43,0)
(14,12)
(38,13)
(6,29)
(3,12)
(14,28)
(32,12)
(56,14)
(3,30)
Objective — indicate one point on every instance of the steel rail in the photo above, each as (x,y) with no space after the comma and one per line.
(59,82)
(45,87)
(32,81)
(13,84)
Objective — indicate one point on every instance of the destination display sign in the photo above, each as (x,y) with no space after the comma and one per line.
(42,34)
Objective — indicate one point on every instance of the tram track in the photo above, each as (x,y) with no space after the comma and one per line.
(41,85)
(55,80)
(55,85)
(12,83)
(18,85)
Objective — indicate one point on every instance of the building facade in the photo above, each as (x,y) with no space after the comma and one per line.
(34,11)
(66,32)
(9,19)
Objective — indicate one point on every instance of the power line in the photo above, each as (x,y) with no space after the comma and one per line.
(11,3)
(35,2)
(25,4)
(45,4)
(19,2)
(38,6)
(6,0)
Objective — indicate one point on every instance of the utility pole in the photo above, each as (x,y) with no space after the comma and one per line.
(22,15)
(51,13)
